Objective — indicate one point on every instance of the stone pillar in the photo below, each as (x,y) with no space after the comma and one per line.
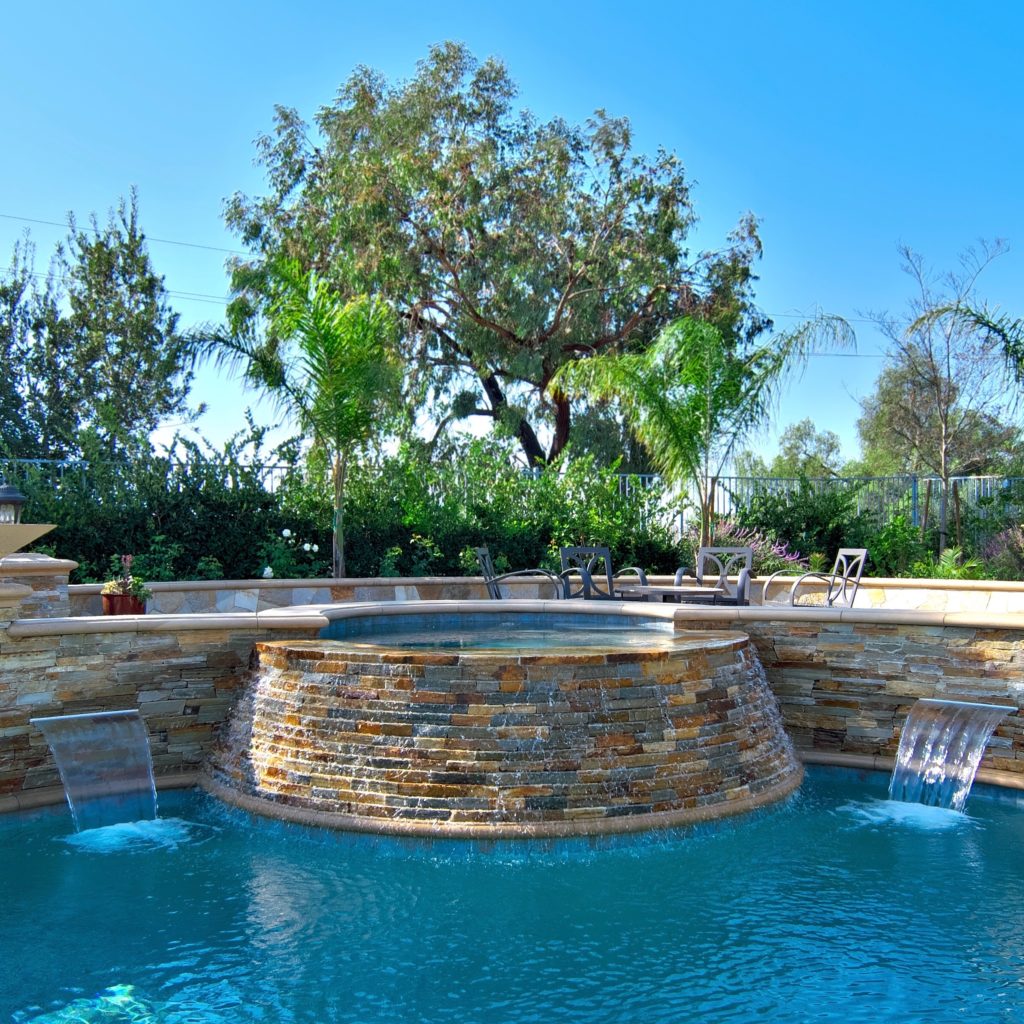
(45,581)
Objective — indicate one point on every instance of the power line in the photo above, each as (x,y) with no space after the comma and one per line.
(149,238)
(220,300)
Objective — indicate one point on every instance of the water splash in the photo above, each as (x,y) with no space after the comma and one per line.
(161,833)
(913,816)
(941,746)
(105,766)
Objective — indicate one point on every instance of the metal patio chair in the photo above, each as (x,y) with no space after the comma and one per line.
(841,583)
(492,581)
(583,576)
(716,566)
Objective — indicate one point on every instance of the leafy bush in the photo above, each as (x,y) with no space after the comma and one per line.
(1004,554)
(950,565)
(809,520)
(408,514)
(896,548)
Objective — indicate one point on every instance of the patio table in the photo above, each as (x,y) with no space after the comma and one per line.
(652,591)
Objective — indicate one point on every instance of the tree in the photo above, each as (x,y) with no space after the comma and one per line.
(93,354)
(332,365)
(692,397)
(941,403)
(508,246)
(803,452)
(1001,327)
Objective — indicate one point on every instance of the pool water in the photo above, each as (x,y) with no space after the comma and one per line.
(833,906)
(508,631)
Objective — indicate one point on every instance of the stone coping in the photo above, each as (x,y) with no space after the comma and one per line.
(30,563)
(48,796)
(874,763)
(274,583)
(320,615)
(12,594)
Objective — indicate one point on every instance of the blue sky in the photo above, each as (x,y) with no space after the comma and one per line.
(847,129)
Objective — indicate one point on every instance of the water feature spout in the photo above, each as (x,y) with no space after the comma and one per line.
(105,765)
(940,748)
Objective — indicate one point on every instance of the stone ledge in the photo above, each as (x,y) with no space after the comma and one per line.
(50,796)
(495,831)
(873,763)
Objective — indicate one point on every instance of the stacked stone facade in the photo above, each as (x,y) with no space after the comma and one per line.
(511,744)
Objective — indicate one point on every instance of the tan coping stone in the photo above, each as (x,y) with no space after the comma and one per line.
(141,624)
(30,563)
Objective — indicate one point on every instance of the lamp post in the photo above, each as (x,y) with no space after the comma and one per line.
(15,534)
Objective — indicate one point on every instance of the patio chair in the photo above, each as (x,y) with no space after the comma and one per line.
(841,583)
(715,566)
(582,577)
(492,581)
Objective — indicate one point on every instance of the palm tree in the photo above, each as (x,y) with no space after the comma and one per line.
(692,397)
(331,365)
(1008,332)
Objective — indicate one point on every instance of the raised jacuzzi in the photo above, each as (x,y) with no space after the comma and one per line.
(506,720)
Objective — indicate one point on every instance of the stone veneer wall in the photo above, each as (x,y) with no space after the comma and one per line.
(514,745)
(183,679)
(209,596)
(845,680)
(46,577)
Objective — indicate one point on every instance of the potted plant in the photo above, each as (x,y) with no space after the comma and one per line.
(125,594)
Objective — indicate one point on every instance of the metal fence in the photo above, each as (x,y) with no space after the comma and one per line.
(981,504)
(882,496)
(54,471)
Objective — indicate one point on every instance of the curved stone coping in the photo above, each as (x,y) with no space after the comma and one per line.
(579,828)
(48,796)
(874,763)
(636,609)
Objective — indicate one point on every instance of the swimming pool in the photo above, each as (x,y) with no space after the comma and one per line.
(831,906)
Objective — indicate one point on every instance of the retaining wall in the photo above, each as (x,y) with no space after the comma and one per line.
(845,680)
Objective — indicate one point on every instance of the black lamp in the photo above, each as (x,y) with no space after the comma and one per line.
(11,503)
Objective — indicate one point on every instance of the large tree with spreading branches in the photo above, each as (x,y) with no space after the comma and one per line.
(509,246)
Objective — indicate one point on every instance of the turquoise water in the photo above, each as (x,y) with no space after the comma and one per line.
(506,631)
(836,906)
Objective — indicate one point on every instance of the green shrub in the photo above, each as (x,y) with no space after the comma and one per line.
(809,520)
(896,548)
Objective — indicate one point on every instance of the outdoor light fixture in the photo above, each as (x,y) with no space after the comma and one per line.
(11,503)
(14,534)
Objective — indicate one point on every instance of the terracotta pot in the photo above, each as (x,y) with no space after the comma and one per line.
(123,604)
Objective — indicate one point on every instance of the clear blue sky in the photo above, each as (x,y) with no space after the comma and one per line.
(847,129)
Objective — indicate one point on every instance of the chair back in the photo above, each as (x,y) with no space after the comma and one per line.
(483,556)
(716,565)
(845,576)
(583,562)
